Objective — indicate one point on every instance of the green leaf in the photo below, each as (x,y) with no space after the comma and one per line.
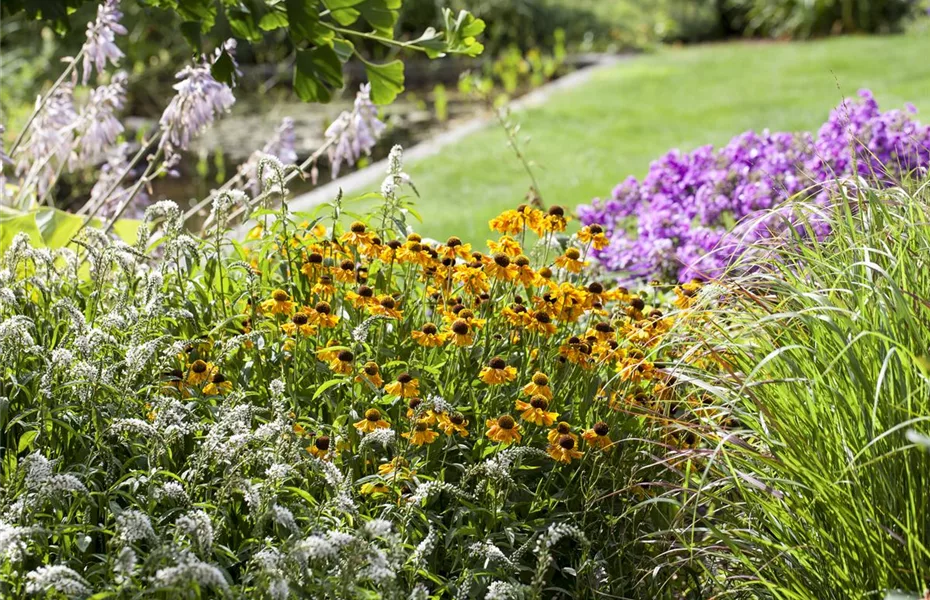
(25,440)
(224,69)
(329,384)
(342,11)
(202,11)
(191,32)
(387,81)
(317,73)
(243,25)
(303,17)
(381,15)
(274,19)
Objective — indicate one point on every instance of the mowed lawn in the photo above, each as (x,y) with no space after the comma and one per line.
(587,139)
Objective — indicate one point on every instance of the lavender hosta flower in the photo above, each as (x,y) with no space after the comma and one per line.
(676,222)
(199,100)
(99,128)
(100,45)
(354,133)
(50,140)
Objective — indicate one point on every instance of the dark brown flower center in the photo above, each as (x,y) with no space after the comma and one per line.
(542,317)
(572,253)
(373,414)
(563,428)
(540,379)
(460,327)
(365,292)
(453,241)
(387,302)
(371,369)
(539,402)
(557,211)
(323,308)
(506,422)
(422,426)
(595,288)
(457,418)
(315,258)
(429,329)
(501,260)
(566,442)
(638,303)
(405,378)
(300,319)
(357,227)
(345,356)
(497,363)
(322,443)
(280,296)
(595,229)
(601,428)
(199,367)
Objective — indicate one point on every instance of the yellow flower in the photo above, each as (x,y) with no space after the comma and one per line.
(324,287)
(526,276)
(372,421)
(428,336)
(598,436)
(513,222)
(472,277)
(497,372)
(375,487)
(421,434)
(506,245)
(326,353)
(279,304)
(385,307)
(504,430)
(686,294)
(571,261)
(594,234)
(454,423)
(562,428)
(576,351)
(405,386)
(357,235)
(500,267)
(454,248)
(554,221)
(564,450)
(542,323)
(320,447)
(635,368)
(536,411)
(389,468)
(517,315)
(461,333)
(300,322)
(372,374)
(346,272)
(342,364)
(218,385)
(322,315)
(362,297)
(255,233)
(199,372)
(539,385)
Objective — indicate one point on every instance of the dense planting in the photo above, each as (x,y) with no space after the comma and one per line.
(677,221)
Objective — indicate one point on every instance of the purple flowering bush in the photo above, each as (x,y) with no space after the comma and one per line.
(694,213)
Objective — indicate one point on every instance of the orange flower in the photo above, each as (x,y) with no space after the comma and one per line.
(429,336)
(536,411)
(499,267)
(506,245)
(199,372)
(300,322)
(405,386)
(570,261)
(322,315)
(526,276)
(562,428)
(356,235)
(454,248)
(542,323)
(454,423)
(539,385)
(320,447)
(504,430)
(279,304)
(517,315)
(346,272)
(218,385)
(342,364)
(564,450)
(372,421)
(497,372)
(421,434)
(372,374)
(598,436)
(385,307)
(594,234)
(472,277)
(362,297)
(461,333)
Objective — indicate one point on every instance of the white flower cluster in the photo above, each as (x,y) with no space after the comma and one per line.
(59,578)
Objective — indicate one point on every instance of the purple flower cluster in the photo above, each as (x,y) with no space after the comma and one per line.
(680,220)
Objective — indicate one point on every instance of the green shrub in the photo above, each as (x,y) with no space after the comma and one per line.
(807,18)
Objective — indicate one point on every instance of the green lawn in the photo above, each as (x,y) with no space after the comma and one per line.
(587,139)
